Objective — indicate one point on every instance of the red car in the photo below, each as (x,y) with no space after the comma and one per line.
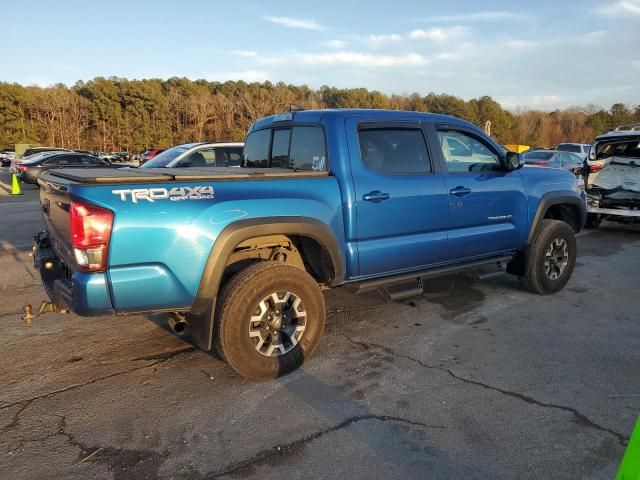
(149,154)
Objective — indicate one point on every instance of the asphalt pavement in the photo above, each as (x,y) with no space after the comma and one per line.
(474,379)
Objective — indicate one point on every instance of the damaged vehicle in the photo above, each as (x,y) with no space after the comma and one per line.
(612,177)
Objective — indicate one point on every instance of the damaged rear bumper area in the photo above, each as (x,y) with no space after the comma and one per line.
(613,181)
(85,294)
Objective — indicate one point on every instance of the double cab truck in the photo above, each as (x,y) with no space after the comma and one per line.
(366,199)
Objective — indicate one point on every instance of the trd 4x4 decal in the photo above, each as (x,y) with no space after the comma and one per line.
(174,194)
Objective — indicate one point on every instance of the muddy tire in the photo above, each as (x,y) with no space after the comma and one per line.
(269,320)
(552,258)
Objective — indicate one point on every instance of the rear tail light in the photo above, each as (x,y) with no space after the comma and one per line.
(21,168)
(578,171)
(90,234)
(595,168)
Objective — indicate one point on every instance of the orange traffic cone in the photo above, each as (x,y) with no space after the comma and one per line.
(15,185)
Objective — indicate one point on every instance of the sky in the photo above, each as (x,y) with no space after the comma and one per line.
(531,54)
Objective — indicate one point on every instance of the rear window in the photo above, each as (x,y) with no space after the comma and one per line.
(568,147)
(625,149)
(298,148)
(537,155)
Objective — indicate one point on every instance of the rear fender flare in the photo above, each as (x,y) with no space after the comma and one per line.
(201,315)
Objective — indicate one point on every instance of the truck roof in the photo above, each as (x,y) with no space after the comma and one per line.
(339,114)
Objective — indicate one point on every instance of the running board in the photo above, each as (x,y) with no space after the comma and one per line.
(410,284)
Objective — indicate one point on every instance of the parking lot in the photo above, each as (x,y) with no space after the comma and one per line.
(474,379)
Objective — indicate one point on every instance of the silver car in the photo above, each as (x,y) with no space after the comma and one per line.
(201,154)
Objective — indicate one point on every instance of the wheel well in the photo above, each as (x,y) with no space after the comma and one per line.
(299,251)
(567,213)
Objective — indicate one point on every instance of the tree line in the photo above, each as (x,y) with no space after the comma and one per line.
(116,114)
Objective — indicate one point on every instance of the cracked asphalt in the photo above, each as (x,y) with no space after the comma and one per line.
(474,379)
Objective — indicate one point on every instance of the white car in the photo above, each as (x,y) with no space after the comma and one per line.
(580,149)
(203,154)
(613,177)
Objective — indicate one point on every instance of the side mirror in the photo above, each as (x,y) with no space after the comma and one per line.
(513,161)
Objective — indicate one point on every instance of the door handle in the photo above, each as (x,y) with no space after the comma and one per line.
(376,196)
(460,191)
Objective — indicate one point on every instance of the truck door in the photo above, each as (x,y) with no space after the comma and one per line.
(401,202)
(487,204)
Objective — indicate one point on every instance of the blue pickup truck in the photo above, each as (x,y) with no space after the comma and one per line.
(366,199)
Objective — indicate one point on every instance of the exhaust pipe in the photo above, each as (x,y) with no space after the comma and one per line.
(179,325)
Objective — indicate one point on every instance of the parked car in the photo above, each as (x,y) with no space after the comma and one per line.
(121,156)
(18,161)
(555,159)
(29,170)
(201,154)
(612,177)
(149,154)
(32,151)
(580,149)
(369,199)
(6,157)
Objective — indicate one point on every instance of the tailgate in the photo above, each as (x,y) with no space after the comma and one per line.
(55,202)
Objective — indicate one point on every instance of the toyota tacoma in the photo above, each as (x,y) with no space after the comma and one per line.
(366,199)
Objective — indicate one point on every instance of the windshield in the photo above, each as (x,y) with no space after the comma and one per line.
(166,157)
(538,155)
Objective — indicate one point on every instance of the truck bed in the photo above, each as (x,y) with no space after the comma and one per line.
(153,175)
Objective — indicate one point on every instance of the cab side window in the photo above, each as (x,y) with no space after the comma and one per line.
(464,153)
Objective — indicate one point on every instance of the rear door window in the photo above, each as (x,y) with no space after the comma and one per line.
(394,150)
(233,157)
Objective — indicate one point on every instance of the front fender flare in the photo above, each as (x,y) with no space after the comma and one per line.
(550,199)
(202,313)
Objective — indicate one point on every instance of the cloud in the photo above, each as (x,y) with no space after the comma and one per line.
(635,63)
(620,8)
(520,44)
(535,101)
(356,59)
(335,44)
(243,53)
(377,40)
(290,22)
(591,38)
(248,76)
(488,16)
(440,34)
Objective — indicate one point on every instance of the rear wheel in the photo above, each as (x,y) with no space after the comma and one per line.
(552,258)
(270,318)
